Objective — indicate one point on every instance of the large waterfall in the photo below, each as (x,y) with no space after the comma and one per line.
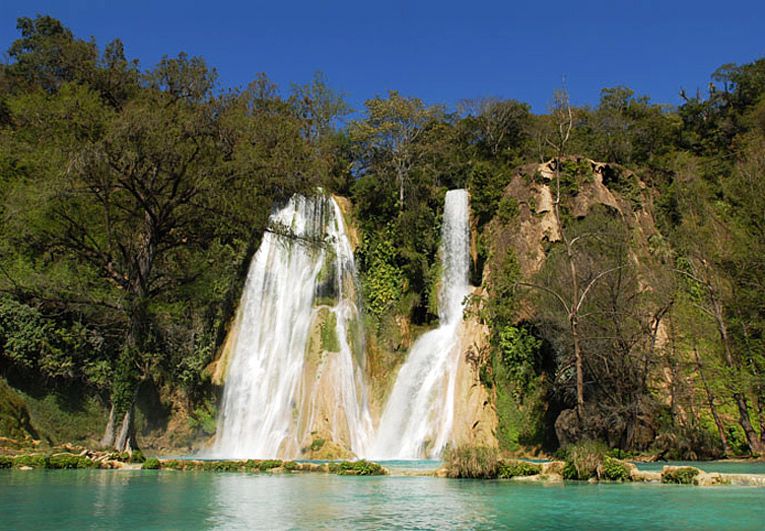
(418,416)
(293,373)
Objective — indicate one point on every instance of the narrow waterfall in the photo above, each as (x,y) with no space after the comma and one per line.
(301,285)
(418,416)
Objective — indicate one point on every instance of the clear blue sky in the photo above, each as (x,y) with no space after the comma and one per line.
(439,51)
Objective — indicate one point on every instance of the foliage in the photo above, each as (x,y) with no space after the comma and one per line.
(481,462)
(31,460)
(614,470)
(133,199)
(204,418)
(518,354)
(69,461)
(681,475)
(383,281)
(151,463)
(15,422)
(584,460)
(509,469)
(317,444)
(329,340)
(356,468)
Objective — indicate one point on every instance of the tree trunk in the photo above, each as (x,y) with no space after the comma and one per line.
(761,417)
(400,179)
(755,445)
(711,402)
(579,369)
(107,441)
(125,440)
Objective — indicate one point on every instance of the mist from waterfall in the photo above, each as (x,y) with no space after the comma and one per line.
(419,413)
(269,406)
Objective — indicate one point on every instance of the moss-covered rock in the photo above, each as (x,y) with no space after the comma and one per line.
(30,460)
(510,469)
(356,468)
(151,463)
(70,461)
(681,475)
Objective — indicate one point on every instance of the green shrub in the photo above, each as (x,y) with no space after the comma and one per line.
(136,457)
(69,461)
(583,460)
(5,461)
(614,470)
(219,466)
(618,453)
(471,462)
(291,465)
(268,464)
(317,444)
(682,475)
(33,460)
(507,209)
(173,464)
(511,469)
(151,463)
(356,468)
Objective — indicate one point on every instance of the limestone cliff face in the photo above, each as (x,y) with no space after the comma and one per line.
(475,417)
(218,369)
(322,421)
(532,231)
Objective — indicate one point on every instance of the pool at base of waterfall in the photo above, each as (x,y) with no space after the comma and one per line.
(145,499)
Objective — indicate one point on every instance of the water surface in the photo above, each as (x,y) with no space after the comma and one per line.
(107,499)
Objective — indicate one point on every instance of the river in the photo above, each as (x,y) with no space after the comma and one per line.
(143,499)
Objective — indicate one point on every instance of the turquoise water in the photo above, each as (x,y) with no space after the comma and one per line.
(108,499)
(725,467)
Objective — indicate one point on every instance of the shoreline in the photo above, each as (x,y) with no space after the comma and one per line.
(550,472)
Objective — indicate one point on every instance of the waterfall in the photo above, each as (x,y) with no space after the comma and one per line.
(301,295)
(418,416)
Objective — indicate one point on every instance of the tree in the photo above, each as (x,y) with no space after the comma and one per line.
(48,55)
(574,295)
(497,125)
(704,242)
(387,138)
(130,201)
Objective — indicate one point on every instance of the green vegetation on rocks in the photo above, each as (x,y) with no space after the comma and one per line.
(480,462)
(618,266)
(151,463)
(681,475)
(614,470)
(510,469)
(356,468)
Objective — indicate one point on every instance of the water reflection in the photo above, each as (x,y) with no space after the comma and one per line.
(290,502)
(112,499)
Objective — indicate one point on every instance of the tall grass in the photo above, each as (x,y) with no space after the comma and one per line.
(480,462)
(584,460)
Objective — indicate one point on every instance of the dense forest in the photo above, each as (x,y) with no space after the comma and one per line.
(133,199)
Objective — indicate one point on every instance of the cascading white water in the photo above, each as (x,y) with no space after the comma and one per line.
(418,416)
(265,399)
